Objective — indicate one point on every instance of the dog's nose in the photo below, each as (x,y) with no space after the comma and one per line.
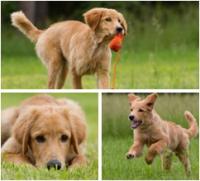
(54,164)
(119,29)
(131,117)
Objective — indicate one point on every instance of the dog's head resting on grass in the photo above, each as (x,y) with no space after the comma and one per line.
(141,110)
(48,134)
(106,22)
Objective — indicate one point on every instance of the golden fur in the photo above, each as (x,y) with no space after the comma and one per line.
(44,129)
(75,46)
(160,136)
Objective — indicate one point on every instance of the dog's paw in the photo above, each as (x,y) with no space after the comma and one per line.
(130,155)
(148,161)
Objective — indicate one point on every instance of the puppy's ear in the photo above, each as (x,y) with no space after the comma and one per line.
(150,100)
(78,127)
(124,23)
(132,97)
(21,129)
(70,119)
(74,139)
(93,17)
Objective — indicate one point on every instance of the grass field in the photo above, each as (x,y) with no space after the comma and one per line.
(89,103)
(117,139)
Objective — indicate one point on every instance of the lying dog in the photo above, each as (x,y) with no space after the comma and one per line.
(75,46)
(44,132)
(160,136)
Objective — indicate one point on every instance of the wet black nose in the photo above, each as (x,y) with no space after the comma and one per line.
(131,117)
(54,164)
(119,29)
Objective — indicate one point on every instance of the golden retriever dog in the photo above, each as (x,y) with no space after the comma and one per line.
(161,137)
(44,132)
(80,48)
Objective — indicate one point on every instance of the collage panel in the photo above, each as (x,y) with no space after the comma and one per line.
(56,132)
(154,45)
(139,128)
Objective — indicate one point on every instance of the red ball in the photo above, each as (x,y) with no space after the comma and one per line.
(116,42)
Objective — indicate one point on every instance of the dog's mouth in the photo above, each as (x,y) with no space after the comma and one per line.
(135,123)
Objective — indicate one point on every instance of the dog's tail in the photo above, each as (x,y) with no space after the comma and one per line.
(192,131)
(20,21)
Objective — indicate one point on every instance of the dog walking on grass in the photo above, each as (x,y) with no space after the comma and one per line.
(161,137)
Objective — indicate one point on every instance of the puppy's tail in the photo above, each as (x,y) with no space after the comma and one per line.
(192,131)
(20,21)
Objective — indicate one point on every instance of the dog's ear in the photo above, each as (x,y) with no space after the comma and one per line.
(74,139)
(21,129)
(93,17)
(124,23)
(78,128)
(132,98)
(150,100)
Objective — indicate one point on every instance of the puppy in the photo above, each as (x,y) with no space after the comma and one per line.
(160,136)
(44,132)
(75,46)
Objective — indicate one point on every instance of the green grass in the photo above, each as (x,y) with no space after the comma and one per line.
(117,139)
(89,103)
(139,71)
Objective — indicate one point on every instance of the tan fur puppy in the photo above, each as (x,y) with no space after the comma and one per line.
(160,136)
(44,132)
(75,46)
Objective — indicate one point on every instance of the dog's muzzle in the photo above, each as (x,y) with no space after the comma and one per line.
(134,123)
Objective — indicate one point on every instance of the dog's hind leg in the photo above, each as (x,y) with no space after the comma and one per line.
(166,159)
(61,77)
(183,157)
(8,118)
(54,67)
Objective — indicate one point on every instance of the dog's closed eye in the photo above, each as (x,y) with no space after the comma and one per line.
(40,139)
(64,138)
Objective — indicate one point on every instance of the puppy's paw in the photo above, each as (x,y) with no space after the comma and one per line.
(130,155)
(148,160)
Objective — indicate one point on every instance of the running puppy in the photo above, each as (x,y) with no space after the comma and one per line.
(75,46)
(160,136)
(44,132)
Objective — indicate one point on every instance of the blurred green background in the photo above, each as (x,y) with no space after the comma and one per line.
(89,103)
(118,138)
(160,51)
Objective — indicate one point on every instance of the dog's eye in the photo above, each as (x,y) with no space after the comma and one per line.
(64,138)
(108,19)
(40,139)
(119,20)
(140,110)
(131,109)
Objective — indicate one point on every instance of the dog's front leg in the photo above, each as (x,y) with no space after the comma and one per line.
(16,158)
(135,150)
(76,80)
(11,152)
(78,160)
(155,149)
(103,79)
